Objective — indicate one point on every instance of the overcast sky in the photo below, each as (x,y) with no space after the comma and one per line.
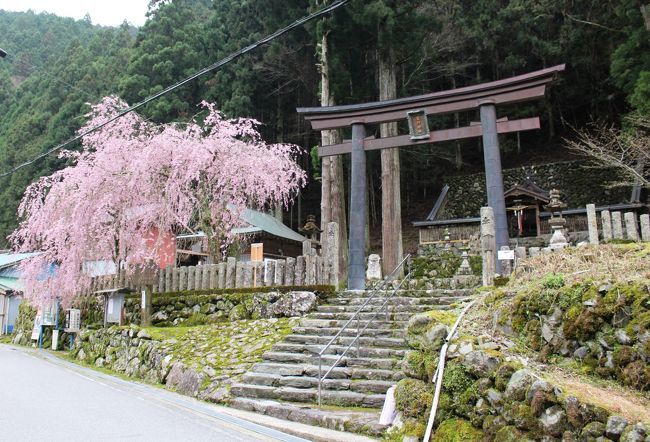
(102,12)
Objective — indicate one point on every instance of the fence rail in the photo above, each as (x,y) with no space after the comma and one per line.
(303,270)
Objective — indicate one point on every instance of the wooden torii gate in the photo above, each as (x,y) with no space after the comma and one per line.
(485,97)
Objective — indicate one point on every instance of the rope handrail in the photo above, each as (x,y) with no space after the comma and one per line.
(390,277)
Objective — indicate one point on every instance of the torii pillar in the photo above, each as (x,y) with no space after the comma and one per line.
(493,173)
(356,254)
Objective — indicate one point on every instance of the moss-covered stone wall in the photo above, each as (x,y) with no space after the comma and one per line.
(201,361)
(579,184)
(603,328)
(208,307)
(487,396)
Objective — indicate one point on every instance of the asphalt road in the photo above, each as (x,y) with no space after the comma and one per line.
(43,398)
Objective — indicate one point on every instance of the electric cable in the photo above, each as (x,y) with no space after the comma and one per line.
(323,11)
(33,68)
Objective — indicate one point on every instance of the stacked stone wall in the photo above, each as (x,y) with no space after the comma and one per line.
(579,184)
(207,307)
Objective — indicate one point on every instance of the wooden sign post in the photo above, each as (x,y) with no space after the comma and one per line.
(257,255)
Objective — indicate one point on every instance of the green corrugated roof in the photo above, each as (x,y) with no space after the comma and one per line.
(270,224)
(11,284)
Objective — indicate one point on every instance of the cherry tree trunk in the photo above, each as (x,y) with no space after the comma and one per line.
(391,205)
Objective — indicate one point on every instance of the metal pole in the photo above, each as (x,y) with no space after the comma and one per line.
(319,377)
(493,173)
(356,255)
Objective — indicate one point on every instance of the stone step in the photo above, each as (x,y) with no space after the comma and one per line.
(414,294)
(339,323)
(409,308)
(358,302)
(363,316)
(341,398)
(381,342)
(332,331)
(365,352)
(361,421)
(311,370)
(369,386)
(346,361)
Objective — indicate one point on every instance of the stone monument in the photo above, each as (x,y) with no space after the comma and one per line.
(592,224)
(373,273)
(606,223)
(557,223)
(488,245)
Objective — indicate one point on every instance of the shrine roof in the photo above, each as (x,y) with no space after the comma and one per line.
(520,88)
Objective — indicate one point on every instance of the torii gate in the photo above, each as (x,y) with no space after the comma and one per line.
(483,96)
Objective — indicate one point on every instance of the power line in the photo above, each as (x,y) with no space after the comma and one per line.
(323,11)
(32,68)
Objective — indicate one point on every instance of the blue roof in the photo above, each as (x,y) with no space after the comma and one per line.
(9,259)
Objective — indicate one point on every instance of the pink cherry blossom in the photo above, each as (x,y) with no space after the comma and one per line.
(132,178)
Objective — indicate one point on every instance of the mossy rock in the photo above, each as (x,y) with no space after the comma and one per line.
(637,375)
(457,430)
(503,373)
(413,398)
(509,433)
(456,378)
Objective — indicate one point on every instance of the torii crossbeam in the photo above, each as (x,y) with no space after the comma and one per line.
(483,96)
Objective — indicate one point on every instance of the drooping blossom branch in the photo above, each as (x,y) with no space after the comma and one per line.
(133,178)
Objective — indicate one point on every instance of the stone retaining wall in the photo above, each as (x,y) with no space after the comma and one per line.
(605,328)
(196,308)
(578,184)
(200,361)
(487,396)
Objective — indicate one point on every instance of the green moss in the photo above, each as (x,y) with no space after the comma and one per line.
(476,263)
(508,434)
(443,265)
(465,402)
(413,398)
(415,362)
(457,430)
(456,378)
(196,319)
(503,373)
(191,297)
(553,281)
(637,375)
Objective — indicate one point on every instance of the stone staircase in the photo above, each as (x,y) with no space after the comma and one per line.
(285,384)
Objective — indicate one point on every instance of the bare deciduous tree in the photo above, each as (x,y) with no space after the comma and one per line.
(628,149)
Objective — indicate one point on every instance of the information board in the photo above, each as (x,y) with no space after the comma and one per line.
(36,331)
(503,255)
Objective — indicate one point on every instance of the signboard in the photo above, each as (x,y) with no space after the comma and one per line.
(55,339)
(257,252)
(418,124)
(503,255)
(36,331)
(48,313)
(72,320)
(114,305)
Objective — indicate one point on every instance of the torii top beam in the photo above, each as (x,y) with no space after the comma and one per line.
(521,88)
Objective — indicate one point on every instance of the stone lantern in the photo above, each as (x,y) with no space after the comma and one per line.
(311,231)
(557,222)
